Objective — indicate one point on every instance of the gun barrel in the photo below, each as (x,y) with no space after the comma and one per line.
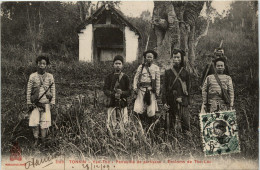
(220,45)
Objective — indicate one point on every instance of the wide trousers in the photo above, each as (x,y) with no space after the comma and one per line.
(40,117)
(113,118)
(140,107)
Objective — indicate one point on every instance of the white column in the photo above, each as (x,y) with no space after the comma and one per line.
(85,44)
(131,40)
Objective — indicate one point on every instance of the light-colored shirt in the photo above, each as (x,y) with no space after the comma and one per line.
(215,89)
(145,77)
(34,81)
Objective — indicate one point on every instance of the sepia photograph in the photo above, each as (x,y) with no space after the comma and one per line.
(111,85)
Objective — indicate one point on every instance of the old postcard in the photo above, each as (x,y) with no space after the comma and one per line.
(110,85)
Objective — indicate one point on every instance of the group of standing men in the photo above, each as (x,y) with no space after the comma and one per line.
(174,92)
(146,89)
(217,91)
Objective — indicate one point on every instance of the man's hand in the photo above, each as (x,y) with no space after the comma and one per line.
(166,106)
(179,100)
(119,91)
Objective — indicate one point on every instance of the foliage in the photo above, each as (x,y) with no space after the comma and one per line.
(78,123)
(240,44)
(241,16)
(40,26)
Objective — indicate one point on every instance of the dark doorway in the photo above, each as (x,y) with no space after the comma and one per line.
(108,42)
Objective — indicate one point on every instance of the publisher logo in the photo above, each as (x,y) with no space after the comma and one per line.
(15,152)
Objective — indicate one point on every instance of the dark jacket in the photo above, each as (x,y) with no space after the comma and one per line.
(124,85)
(169,96)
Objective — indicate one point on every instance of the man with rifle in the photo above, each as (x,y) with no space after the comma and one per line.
(146,87)
(40,99)
(175,93)
(209,69)
(117,90)
(217,90)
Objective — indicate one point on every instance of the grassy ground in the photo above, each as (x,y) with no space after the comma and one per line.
(79,124)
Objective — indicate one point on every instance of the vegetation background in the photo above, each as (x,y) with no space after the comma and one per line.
(31,28)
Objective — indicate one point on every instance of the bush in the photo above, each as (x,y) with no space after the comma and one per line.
(79,124)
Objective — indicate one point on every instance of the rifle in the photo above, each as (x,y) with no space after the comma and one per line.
(167,121)
(207,104)
(209,65)
(207,71)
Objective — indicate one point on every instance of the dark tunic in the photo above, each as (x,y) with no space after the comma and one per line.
(169,97)
(124,85)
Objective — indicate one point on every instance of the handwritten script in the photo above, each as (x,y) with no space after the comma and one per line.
(37,162)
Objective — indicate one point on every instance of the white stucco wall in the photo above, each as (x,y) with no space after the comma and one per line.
(85,44)
(131,40)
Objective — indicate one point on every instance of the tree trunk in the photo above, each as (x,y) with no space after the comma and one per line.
(31,29)
(174,26)
(174,29)
(35,27)
(40,32)
(166,31)
(191,55)
(183,30)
